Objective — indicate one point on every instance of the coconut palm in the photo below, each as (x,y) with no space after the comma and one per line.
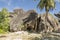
(48,5)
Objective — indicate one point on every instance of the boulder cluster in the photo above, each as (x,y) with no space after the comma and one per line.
(32,21)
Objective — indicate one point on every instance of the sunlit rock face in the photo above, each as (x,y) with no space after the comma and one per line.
(30,20)
(58,17)
(51,24)
(21,18)
(16,20)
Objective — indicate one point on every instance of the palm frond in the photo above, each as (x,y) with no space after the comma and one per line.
(48,4)
(41,4)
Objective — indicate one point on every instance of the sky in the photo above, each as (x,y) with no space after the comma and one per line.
(25,5)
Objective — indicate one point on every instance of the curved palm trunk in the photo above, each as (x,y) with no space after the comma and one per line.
(46,17)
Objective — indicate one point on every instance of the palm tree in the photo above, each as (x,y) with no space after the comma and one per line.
(48,5)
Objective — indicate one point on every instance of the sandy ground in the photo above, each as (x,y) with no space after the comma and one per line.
(24,35)
(20,35)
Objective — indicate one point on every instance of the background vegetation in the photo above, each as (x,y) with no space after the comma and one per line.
(4,20)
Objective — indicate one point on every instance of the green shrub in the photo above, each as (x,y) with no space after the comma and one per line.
(4,20)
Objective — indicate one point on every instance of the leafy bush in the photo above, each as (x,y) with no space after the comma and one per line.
(4,20)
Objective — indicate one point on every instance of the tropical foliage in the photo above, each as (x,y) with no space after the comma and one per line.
(4,20)
(47,4)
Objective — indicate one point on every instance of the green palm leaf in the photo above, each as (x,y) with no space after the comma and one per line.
(48,4)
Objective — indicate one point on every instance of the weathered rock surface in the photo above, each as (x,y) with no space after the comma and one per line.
(52,23)
(24,35)
(32,21)
(20,18)
(20,35)
(17,20)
